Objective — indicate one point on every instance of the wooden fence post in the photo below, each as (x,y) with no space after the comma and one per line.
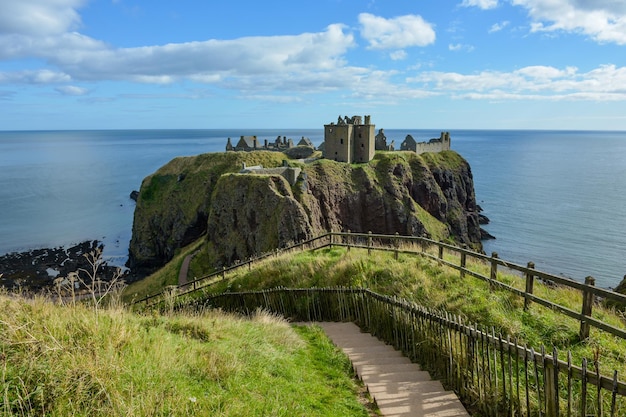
(587,307)
(396,243)
(530,283)
(369,242)
(494,269)
(349,239)
(463,262)
(551,384)
(223,273)
(440,251)
(331,239)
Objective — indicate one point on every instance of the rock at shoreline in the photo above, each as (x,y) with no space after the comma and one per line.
(485,235)
(36,270)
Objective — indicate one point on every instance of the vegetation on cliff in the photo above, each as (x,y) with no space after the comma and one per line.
(244,215)
(65,360)
(173,203)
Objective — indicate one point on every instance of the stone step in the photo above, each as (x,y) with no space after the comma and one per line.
(423,404)
(389,377)
(376,373)
(399,387)
(392,389)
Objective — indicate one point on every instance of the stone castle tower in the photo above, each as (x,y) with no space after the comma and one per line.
(350,140)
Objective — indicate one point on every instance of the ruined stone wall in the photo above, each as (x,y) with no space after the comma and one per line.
(364,143)
(434,145)
(338,142)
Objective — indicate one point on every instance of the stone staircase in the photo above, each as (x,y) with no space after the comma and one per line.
(399,387)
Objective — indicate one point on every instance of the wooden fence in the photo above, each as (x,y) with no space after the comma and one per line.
(492,375)
(460,259)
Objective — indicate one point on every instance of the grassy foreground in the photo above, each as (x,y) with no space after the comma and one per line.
(63,360)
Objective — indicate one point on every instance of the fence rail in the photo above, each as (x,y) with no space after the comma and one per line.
(461,256)
(491,374)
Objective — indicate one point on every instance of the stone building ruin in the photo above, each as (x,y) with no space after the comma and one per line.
(434,145)
(381,142)
(352,140)
(252,143)
(291,174)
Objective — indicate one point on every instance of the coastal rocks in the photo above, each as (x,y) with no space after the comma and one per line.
(35,270)
(621,287)
(485,235)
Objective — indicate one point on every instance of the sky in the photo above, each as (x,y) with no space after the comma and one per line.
(421,64)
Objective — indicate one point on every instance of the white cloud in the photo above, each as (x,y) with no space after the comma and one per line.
(482,4)
(39,17)
(84,58)
(71,90)
(497,27)
(457,47)
(602,20)
(530,83)
(43,76)
(398,55)
(396,33)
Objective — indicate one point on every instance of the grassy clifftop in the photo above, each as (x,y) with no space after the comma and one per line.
(421,195)
(173,203)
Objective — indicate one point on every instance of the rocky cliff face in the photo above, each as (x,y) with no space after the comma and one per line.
(173,204)
(254,214)
(243,215)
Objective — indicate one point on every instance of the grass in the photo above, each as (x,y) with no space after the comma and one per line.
(60,360)
(438,287)
(164,277)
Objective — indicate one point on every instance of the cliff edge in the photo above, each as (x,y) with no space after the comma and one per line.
(431,194)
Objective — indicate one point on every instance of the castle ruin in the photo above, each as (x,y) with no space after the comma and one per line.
(252,143)
(352,140)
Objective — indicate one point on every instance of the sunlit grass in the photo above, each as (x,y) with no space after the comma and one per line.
(59,361)
(432,284)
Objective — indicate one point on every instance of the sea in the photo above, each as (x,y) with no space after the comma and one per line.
(556,198)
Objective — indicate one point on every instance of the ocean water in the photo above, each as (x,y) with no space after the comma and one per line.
(556,198)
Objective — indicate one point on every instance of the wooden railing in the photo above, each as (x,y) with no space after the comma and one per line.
(217,276)
(588,289)
(491,374)
(460,260)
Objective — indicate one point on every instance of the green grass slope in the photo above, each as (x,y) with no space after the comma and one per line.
(61,360)
(438,287)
